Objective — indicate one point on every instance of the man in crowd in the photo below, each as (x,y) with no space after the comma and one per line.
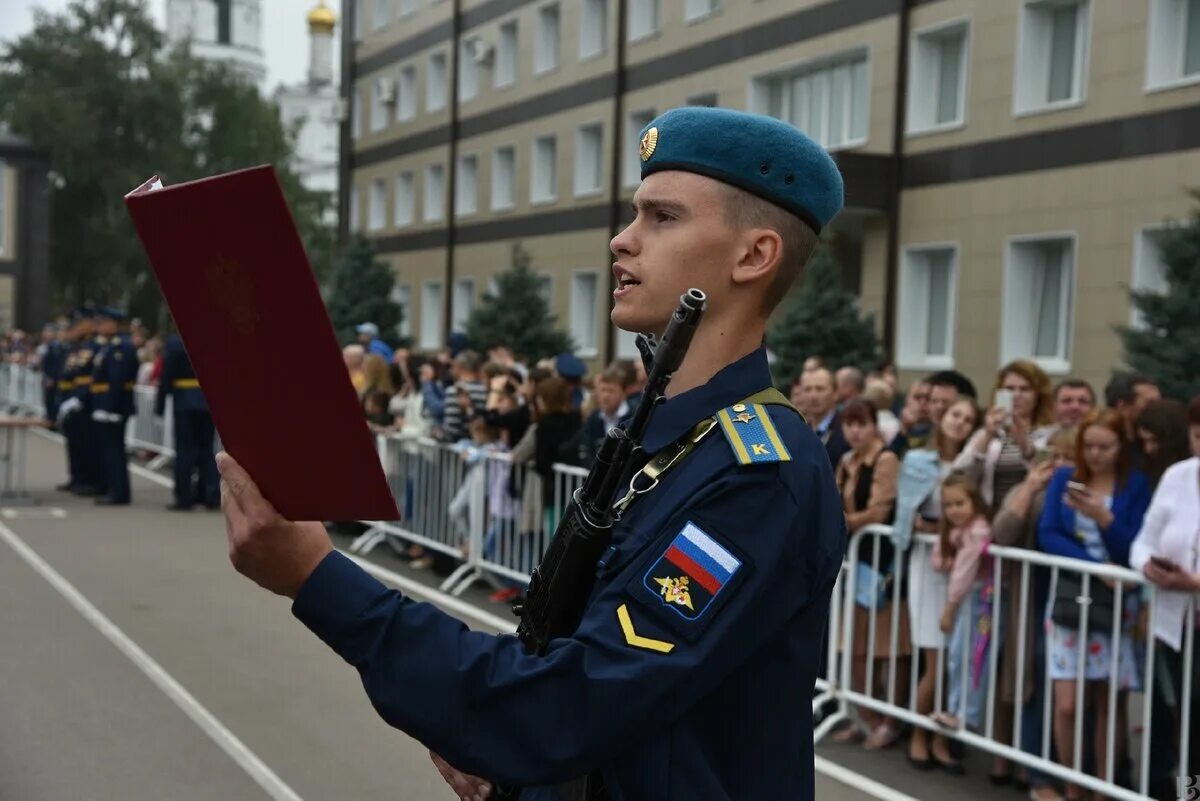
(914,420)
(1073,399)
(466,398)
(850,384)
(1128,394)
(368,337)
(612,410)
(945,388)
(572,370)
(820,407)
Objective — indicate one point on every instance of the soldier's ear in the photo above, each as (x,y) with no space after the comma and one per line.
(759,256)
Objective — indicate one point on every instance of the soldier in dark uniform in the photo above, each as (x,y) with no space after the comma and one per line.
(691,674)
(193,427)
(86,477)
(113,378)
(53,359)
(68,409)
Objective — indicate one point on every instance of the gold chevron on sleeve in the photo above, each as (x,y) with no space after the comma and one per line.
(635,639)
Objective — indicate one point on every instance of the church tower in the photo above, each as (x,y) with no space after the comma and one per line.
(224,31)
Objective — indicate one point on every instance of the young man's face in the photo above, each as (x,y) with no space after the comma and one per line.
(609,396)
(679,239)
(941,396)
(1071,405)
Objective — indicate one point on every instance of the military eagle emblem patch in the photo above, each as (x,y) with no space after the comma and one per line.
(691,572)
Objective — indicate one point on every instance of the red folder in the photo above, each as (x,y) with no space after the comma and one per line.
(237,280)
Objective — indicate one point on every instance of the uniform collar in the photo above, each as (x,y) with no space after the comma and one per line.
(735,382)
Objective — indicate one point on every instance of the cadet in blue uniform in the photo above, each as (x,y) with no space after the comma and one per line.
(53,359)
(113,378)
(193,426)
(67,411)
(691,674)
(83,456)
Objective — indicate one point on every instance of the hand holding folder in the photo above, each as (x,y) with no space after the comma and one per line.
(237,280)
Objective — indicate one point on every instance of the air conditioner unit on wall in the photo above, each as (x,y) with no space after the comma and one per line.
(385,88)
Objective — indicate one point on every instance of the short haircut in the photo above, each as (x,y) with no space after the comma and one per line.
(468,360)
(624,370)
(854,374)
(952,378)
(860,410)
(744,210)
(1075,383)
(1122,388)
(816,370)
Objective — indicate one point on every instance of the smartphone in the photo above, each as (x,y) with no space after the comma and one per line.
(1004,400)
(1163,563)
(1077,486)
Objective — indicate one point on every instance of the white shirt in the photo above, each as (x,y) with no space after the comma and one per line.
(1171,530)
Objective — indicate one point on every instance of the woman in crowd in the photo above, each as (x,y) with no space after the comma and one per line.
(866,477)
(918,510)
(1167,552)
(1015,526)
(1093,511)
(557,422)
(376,377)
(1162,430)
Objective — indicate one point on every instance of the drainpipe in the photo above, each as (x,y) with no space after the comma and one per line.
(346,144)
(452,169)
(614,198)
(893,209)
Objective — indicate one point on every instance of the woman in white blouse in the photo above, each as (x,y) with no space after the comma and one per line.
(1167,551)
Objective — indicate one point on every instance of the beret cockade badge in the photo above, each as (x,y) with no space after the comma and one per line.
(649,142)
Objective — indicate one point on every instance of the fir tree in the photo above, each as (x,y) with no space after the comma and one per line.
(822,319)
(1166,346)
(517,315)
(361,292)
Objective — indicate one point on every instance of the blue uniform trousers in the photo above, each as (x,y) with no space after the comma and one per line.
(110,440)
(194,436)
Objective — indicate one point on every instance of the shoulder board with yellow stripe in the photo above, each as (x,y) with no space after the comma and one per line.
(751,434)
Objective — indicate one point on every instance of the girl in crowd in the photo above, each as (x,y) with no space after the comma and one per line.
(866,477)
(1093,511)
(918,510)
(1162,430)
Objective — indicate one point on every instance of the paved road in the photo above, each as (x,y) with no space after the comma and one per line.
(241,702)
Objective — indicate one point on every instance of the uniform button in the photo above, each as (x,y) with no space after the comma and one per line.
(741,407)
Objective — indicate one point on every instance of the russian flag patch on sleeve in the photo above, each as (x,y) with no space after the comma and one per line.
(691,573)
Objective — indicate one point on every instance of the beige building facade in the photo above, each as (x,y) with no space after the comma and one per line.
(1009,165)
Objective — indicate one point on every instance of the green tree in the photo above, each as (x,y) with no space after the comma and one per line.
(1166,346)
(97,88)
(822,319)
(361,292)
(517,315)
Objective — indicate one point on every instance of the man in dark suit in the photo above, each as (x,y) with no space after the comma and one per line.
(820,405)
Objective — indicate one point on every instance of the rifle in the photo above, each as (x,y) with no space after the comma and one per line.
(561,584)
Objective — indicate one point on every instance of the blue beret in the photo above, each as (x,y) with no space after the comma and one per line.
(569,366)
(111,313)
(762,155)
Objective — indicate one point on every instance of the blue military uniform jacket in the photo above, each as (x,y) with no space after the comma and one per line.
(178,380)
(85,365)
(114,374)
(697,689)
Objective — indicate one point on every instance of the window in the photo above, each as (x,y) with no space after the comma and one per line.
(431,315)
(828,101)
(379,14)
(466,186)
(360,13)
(543,175)
(1149,267)
(402,297)
(406,201)
(937,82)
(377,205)
(593,28)
(545,288)
(634,123)
(355,224)
(1039,281)
(627,345)
(355,116)
(699,9)
(644,16)
(3,207)
(462,303)
(1174,44)
(588,159)
(468,72)
(1052,56)
(434,202)
(381,95)
(406,101)
(435,83)
(927,303)
(545,53)
(705,99)
(506,55)
(583,312)
(407,7)
(504,178)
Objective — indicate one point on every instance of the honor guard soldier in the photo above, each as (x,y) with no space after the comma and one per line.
(76,410)
(193,427)
(113,378)
(54,356)
(691,673)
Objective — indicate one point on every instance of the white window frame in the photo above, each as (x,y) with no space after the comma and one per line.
(914,314)
(596,49)
(402,297)
(406,93)
(581,169)
(356,108)
(1025,102)
(916,127)
(433,212)
(506,69)
(692,14)
(546,61)
(1011,329)
(381,14)
(509,200)
(407,8)
(377,204)
(632,155)
(654,16)
(435,94)
(626,344)
(379,107)
(759,91)
(464,290)
(431,323)
(4,179)
(404,209)
(1166,47)
(360,18)
(466,189)
(588,347)
(468,73)
(536,196)
(1139,275)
